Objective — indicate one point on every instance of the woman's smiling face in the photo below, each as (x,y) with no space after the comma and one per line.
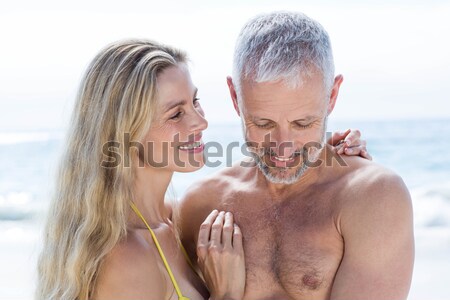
(174,140)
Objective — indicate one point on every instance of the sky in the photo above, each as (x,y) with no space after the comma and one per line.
(394,55)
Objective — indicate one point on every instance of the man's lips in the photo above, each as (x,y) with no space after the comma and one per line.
(283,161)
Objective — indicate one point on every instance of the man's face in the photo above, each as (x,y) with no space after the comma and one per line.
(285,125)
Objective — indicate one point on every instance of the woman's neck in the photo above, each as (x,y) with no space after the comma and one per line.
(149,190)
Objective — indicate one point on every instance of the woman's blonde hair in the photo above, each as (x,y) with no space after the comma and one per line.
(89,210)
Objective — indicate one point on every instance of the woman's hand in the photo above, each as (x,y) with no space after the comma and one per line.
(349,143)
(221,256)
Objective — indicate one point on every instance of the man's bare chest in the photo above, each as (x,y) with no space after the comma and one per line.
(291,247)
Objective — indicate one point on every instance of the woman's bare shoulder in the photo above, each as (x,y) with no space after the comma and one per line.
(131,271)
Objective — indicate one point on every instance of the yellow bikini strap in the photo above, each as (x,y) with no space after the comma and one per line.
(186,255)
(177,289)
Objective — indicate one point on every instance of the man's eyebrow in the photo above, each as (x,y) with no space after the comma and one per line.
(256,118)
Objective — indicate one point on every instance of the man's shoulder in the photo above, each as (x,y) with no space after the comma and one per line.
(207,187)
(375,221)
(365,176)
(370,188)
(213,187)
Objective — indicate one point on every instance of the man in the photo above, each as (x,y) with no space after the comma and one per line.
(313,227)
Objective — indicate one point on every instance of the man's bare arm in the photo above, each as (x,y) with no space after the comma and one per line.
(379,243)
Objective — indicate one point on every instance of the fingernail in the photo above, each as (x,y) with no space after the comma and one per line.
(349,150)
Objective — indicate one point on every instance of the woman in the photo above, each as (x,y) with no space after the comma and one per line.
(109,234)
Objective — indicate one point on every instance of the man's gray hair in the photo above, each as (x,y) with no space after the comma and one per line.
(287,46)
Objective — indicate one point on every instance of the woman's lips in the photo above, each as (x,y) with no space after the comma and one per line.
(194,147)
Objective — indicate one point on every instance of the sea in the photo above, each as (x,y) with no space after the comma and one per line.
(418,150)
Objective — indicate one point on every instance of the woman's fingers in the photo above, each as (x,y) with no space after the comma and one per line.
(350,143)
(366,154)
(223,264)
(340,147)
(237,238)
(337,136)
(228,228)
(204,233)
(358,151)
(346,139)
(216,231)
(353,138)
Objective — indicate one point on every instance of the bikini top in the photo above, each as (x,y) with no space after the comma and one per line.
(163,257)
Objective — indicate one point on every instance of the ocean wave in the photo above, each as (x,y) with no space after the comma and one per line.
(10,138)
(16,207)
(432,205)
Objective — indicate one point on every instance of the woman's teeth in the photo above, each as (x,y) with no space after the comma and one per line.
(190,146)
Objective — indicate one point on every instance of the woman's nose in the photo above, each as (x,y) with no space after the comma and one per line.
(198,123)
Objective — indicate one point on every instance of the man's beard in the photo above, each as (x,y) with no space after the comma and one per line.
(305,157)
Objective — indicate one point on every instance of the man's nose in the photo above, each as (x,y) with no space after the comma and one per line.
(284,144)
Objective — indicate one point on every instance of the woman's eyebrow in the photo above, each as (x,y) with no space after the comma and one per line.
(173,104)
(176,103)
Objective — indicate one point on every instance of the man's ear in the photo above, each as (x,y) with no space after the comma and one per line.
(233,95)
(334,93)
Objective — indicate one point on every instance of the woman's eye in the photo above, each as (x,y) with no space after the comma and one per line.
(176,116)
(196,102)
